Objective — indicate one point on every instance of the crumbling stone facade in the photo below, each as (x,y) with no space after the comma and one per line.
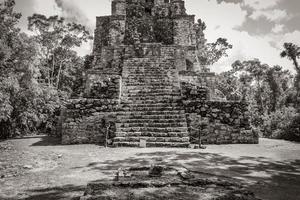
(145,85)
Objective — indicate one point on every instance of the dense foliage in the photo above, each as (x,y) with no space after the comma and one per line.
(209,53)
(270,93)
(38,73)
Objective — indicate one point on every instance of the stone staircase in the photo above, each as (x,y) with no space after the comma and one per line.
(150,105)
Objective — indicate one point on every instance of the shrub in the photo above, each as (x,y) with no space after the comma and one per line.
(292,131)
(275,124)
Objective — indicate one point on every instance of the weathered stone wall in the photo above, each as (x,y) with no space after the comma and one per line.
(219,122)
(179,53)
(99,86)
(85,121)
(159,22)
(117,30)
(101,34)
(109,31)
(147,23)
(110,60)
(118,7)
(193,92)
(183,30)
(198,78)
(178,7)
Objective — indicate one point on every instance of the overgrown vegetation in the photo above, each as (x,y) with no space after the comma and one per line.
(40,72)
(271,93)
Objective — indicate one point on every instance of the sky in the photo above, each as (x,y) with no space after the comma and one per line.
(255,28)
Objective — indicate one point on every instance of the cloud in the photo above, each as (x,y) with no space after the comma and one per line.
(260,4)
(71,12)
(221,15)
(26,8)
(293,37)
(251,38)
(278,28)
(262,26)
(230,1)
(272,15)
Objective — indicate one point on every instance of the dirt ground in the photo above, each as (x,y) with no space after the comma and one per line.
(39,168)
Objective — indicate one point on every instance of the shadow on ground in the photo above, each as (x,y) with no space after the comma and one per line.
(268,179)
(64,192)
(69,192)
(47,141)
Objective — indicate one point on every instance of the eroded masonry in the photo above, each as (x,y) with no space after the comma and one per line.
(146,85)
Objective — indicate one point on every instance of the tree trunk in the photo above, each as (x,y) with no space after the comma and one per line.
(58,75)
(260,97)
(297,86)
(53,67)
(49,78)
(296,64)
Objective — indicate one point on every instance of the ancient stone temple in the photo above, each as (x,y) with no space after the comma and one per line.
(145,86)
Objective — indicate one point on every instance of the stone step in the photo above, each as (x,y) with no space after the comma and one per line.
(149,98)
(146,59)
(150,101)
(146,78)
(153,129)
(138,81)
(150,87)
(152,139)
(152,60)
(153,77)
(153,144)
(148,75)
(158,120)
(152,134)
(161,83)
(148,117)
(152,94)
(152,84)
(149,60)
(148,65)
(149,84)
(154,90)
(151,125)
(149,108)
(154,104)
(138,113)
(146,71)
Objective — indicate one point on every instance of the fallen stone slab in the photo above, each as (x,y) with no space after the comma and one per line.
(166,183)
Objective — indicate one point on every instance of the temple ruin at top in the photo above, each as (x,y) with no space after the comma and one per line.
(146,86)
